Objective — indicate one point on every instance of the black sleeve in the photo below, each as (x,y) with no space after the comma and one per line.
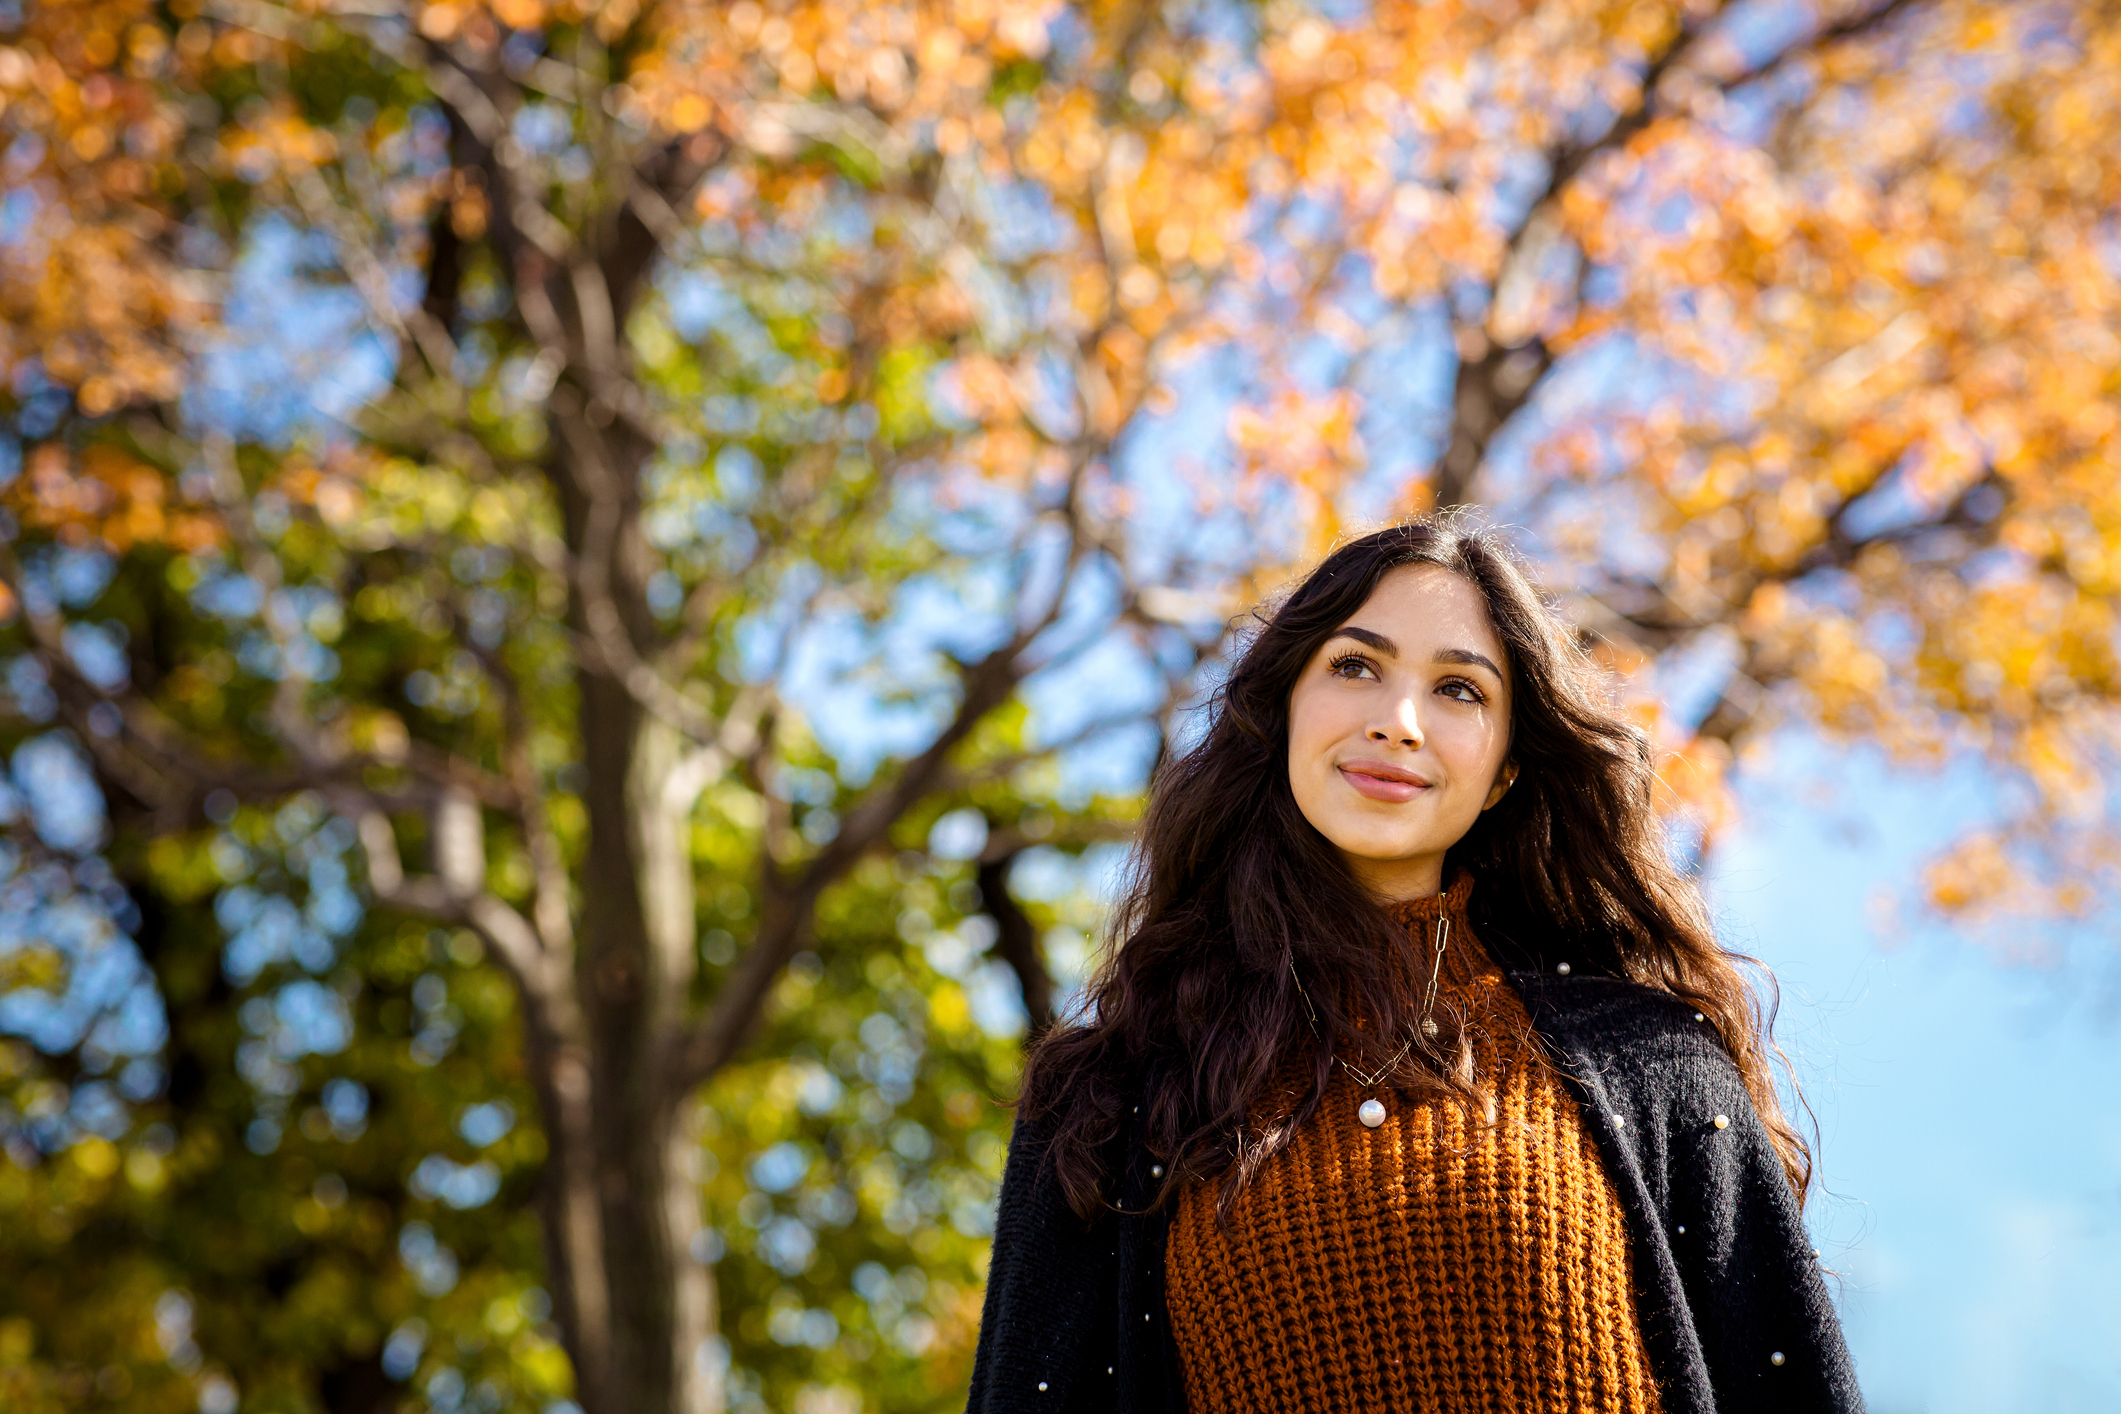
(1727,1279)
(1052,1292)
(1768,1328)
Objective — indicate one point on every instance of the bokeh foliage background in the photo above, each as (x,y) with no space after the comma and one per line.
(590,587)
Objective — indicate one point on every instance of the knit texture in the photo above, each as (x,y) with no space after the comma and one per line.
(1437,1262)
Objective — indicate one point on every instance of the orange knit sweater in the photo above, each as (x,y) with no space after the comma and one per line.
(1435,1263)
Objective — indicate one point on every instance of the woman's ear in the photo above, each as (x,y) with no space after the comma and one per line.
(1504,779)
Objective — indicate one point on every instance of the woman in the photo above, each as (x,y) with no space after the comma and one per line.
(1420,1081)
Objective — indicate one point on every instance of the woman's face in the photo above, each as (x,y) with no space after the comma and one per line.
(1399,727)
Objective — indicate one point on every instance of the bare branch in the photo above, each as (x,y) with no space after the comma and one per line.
(456,894)
(1016,943)
(369,277)
(996,768)
(289,711)
(550,888)
(1070,834)
(1494,381)
(789,902)
(778,128)
(1856,26)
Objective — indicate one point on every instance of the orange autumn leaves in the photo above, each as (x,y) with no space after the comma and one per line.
(1160,169)
(1907,278)
(105,498)
(87,287)
(1920,294)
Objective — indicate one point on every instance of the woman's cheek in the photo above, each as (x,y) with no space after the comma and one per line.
(1467,750)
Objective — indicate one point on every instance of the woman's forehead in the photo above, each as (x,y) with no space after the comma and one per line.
(1423,610)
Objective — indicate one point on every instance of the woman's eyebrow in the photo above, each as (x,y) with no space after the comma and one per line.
(1469,657)
(1386,646)
(1368,637)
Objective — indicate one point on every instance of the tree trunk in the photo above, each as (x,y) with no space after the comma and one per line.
(571,1214)
(635,1303)
(1493,382)
(358,1385)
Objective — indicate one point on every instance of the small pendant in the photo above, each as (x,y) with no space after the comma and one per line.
(1371,1113)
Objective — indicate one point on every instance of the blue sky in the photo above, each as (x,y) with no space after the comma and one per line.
(1969,1109)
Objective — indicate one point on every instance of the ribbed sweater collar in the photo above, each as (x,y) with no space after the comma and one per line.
(1451,903)
(1464,959)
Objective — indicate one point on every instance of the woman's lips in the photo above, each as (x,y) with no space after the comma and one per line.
(1379,788)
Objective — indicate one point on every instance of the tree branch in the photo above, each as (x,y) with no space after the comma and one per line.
(1016,943)
(790,901)
(455,893)
(1495,382)
(551,891)
(416,327)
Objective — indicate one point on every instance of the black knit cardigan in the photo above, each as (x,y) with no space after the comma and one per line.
(1733,1308)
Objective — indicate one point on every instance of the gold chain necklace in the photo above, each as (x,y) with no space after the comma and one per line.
(1372,1112)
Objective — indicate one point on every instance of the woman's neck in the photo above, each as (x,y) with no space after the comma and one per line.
(1446,902)
(1398,880)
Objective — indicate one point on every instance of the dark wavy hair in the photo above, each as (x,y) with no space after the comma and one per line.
(1195,1006)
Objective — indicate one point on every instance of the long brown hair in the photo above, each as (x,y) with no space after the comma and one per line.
(1232,891)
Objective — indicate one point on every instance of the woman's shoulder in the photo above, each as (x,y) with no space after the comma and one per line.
(1613,1022)
(1057,1120)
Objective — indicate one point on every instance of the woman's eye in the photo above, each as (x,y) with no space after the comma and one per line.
(1470,692)
(1338,667)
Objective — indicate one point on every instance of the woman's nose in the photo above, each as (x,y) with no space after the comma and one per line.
(1403,726)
